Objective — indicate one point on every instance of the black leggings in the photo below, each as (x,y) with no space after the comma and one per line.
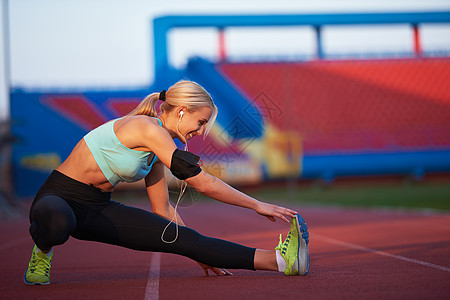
(65,207)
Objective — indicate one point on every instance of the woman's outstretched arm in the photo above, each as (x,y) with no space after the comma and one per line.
(163,146)
(215,188)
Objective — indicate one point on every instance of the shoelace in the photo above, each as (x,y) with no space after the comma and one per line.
(283,246)
(286,243)
(40,265)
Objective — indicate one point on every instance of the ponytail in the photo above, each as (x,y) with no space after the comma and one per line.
(147,106)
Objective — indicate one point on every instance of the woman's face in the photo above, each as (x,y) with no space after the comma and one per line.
(193,123)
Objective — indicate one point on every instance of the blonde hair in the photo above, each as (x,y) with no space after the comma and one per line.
(183,93)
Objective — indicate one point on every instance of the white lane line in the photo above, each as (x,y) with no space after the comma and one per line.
(357,247)
(152,290)
(15,243)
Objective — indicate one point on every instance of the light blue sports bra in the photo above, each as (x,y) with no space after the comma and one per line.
(117,162)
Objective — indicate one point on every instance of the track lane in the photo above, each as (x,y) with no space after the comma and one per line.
(92,270)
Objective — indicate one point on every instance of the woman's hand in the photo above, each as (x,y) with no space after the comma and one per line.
(271,211)
(218,271)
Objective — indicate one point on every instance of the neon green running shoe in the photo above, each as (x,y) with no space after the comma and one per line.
(38,271)
(295,249)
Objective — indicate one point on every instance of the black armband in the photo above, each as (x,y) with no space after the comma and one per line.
(184,164)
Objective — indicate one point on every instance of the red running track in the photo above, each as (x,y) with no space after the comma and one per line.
(355,254)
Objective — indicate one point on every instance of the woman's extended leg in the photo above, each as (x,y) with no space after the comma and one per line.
(138,229)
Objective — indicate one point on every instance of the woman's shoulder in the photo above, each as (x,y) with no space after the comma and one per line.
(139,131)
(142,124)
(140,120)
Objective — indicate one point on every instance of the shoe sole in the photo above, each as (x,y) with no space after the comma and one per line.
(33,283)
(303,246)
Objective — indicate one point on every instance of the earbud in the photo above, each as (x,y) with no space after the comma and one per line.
(181,114)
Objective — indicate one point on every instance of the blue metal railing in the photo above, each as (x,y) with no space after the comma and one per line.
(162,25)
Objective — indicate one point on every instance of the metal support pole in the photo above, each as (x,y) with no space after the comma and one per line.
(417,44)
(319,53)
(5,57)
(222,48)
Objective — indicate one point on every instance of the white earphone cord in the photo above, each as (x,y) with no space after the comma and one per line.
(182,190)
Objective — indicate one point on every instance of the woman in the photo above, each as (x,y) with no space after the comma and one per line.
(76,198)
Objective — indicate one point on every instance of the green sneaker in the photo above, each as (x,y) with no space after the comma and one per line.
(38,271)
(294,249)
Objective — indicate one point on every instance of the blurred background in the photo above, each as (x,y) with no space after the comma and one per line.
(324,102)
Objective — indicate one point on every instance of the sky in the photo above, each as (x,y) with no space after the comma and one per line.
(109,43)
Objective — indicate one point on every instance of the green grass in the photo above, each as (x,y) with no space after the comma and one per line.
(424,195)
(396,194)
